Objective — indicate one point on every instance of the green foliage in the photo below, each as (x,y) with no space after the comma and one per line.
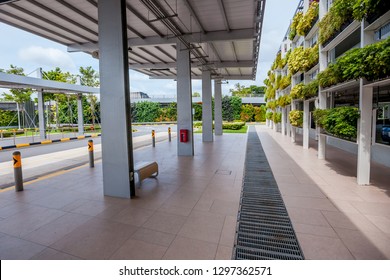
(247,112)
(371,62)
(227,110)
(303,59)
(285,81)
(307,21)
(284,100)
(277,117)
(272,104)
(310,90)
(146,111)
(365,8)
(8,118)
(285,59)
(319,116)
(296,118)
(242,91)
(236,103)
(233,125)
(297,91)
(277,62)
(294,24)
(198,111)
(260,113)
(340,121)
(169,113)
(17,95)
(196,94)
(269,115)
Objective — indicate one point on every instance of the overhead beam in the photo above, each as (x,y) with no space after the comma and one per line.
(217,64)
(225,19)
(198,37)
(199,77)
(144,20)
(196,18)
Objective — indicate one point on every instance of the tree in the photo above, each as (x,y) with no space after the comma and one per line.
(239,90)
(196,94)
(18,95)
(89,77)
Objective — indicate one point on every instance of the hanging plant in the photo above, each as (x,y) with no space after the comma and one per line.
(294,24)
(277,117)
(311,89)
(295,60)
(285,82)
(296,118)
(308,20)
(269,115)
(296,91)
(284,100)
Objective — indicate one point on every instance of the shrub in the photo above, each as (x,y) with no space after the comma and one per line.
(308,19)
(296,91)
(284,100)
(341,121)
(296,118)
(8,118)
(233,125)
(294,24)
(311,89)
(269,115)
(277,117)
(260,113)
(285,82)
(319,116)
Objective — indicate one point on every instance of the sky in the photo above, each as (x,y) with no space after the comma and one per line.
(29,51)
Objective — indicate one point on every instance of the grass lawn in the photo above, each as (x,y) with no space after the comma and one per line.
(242,130)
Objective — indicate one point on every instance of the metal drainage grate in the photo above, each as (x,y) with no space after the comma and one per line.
(264,230)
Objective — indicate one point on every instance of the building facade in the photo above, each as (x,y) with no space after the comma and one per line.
(330,80)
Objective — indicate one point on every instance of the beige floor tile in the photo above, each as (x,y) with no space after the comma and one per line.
(57,229)
(203,226)
(224,253)
(224,207)
(373,208)
(96,239)
(133,216)
(228,231)
(139,250)
(184,248)
(323,248)
(365,246)
(29,220)
(11,208)
(51,254)
(12,248)
(316,230)
(305,190)
(154,237)
(383,223)
(165,222)
(175,210)
(303,216)
(309,203)
(349,221)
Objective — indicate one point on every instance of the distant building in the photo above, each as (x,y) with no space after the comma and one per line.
(138,95)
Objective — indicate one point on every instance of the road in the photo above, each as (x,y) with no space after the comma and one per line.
(45,159)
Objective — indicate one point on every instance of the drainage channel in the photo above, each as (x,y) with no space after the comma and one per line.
(264,230)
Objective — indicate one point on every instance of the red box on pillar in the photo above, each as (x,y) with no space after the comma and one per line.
(184,135)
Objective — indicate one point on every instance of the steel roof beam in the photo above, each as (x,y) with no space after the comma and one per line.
(225,19)
(213,36)
(217,64)
(144,20)
(188,5)
(199,77)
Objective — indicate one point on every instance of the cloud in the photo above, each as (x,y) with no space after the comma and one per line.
(47,57)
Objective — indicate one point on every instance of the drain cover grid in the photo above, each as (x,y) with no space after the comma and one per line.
(264,230)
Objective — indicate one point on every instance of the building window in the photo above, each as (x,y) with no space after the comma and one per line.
(383,32)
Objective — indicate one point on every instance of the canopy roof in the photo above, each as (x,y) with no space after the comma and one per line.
(223,35)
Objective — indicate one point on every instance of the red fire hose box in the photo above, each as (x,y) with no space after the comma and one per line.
(184,135)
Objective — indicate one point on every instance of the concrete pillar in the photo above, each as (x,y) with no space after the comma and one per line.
(284,121)
(306,125)
(117,146)
(288,124)
(293,129)
(364,135)
(80,115)
(207,110)
(218,107)
(41,109)
(184,100)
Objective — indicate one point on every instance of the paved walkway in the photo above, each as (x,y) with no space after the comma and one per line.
(334,218)
(190,211)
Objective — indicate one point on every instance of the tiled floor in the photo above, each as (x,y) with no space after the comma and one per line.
(189,212)
(334,218)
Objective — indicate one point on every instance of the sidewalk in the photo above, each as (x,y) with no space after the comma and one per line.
(334,218)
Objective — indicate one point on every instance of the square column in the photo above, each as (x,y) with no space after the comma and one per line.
(364,135)
(207,110)
(184,101)
(288,125)
(218,107)
(284,121)
(293,129)
(117,148)
(41,115)
(80,115)
(306,119)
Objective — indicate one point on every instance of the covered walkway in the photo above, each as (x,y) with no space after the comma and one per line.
(190,212)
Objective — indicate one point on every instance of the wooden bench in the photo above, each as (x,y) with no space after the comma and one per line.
(145,169)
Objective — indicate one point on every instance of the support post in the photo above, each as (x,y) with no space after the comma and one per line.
(364,135)
(80,115)
(91,154)
(17,162)
(306,118)
(41,109)
(218,107)
(288,126)
(284,121)
(169,134)
(117,146)
(207,111)
(184,100)
(153,138)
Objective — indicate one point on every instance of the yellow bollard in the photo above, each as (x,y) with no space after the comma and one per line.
(154,138)
(17,162)
(91,155)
